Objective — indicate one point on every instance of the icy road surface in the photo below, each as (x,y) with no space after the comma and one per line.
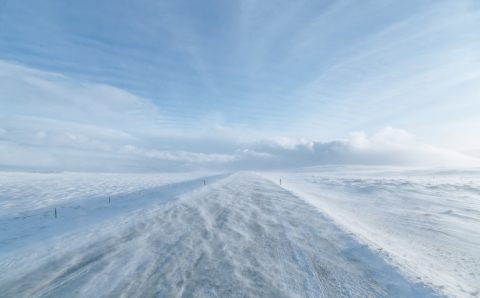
(242,236)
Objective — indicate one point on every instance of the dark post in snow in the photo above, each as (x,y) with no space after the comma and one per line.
(109,199)
(55,212)
(280,181)
(204,182)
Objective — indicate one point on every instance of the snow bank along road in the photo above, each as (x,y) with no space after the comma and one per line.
(425,222)
(242,236)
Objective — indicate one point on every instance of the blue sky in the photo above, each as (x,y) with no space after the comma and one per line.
(179,75)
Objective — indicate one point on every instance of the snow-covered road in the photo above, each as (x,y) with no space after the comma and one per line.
(242,236)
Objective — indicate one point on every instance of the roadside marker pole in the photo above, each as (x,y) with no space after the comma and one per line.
(55,212)
(109,199)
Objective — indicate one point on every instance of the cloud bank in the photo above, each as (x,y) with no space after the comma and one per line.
(52,122)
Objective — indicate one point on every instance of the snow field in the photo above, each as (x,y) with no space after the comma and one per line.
(240,236)
(423,221)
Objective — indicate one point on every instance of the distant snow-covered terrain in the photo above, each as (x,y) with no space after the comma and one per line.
(26,192)
(239,235)
(426,222)
(28,201)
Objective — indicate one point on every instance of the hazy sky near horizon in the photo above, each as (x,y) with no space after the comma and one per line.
(162,79)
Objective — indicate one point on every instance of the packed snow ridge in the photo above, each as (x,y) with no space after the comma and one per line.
(323,232)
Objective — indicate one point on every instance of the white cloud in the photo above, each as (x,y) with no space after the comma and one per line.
(388,138)
(52,122)
(292,143)
(388,146)
(397,146)
(42,96)
(40,135)
(179,155)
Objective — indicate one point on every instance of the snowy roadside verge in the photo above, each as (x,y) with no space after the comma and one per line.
(107,198)
(426,225)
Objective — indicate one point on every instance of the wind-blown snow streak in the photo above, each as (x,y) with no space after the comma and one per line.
(82,200)
(26,192)
(241,236)
(426,222)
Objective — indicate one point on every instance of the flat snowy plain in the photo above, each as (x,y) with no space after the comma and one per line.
(325,232)
(425,222)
